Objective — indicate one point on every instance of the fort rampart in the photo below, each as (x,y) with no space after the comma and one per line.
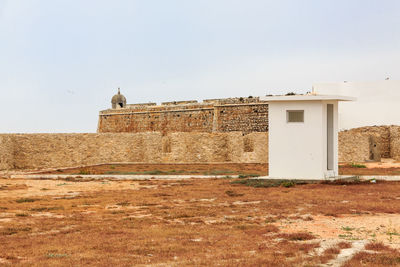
(214,115)
(6,152)
(39,151)
(355,144)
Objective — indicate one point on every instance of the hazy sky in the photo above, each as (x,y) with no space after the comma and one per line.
(61,61)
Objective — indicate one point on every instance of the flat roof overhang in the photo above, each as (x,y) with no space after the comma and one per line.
(307,98)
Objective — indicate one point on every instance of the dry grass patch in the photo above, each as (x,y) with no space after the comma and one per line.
(344,245)
(185,223)
(378,246)
(297,236)
(373,260)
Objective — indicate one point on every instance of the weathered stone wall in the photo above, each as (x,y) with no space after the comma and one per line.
(354,143)
(382,135)
(245,118)
(38,151)
(6,152)
(214,115)
(353,146)
(200,120)
(395,142)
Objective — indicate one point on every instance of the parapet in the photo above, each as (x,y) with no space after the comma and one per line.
(233,100)
(179,102)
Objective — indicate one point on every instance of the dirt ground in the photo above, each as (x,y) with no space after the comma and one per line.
(198,222)
(171,169)
(249,169)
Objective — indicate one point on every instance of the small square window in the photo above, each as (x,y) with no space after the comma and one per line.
(295,115)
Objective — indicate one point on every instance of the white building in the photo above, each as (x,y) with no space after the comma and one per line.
(378,103)
(303,136)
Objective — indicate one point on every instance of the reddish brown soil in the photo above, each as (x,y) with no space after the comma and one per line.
(196,222)
(171,169)
(209,169)
(348,170)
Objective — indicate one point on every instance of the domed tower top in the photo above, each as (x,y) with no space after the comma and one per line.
(118,100)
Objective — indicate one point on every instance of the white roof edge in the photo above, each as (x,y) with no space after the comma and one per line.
(307,98)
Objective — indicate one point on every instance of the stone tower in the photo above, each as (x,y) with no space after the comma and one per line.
(118,101)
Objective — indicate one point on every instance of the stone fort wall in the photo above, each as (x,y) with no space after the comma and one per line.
(40,151)
(6,152)
(354,144)
(214,115)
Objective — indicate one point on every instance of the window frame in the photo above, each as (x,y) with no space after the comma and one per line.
(297,110)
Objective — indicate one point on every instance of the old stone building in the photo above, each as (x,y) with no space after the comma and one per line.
(231,130)
(246,115)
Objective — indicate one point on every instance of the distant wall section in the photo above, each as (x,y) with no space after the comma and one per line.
(395,142)
(215,115)
(355,144)
(245,118)
(6,152)
(39,151)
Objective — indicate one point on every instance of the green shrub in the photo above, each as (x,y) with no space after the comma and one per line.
(233,193)
(355,165)
(242,176)
(84,172)
(23,200)
(288,184)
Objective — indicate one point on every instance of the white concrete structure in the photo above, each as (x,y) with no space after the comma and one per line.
(303,136)
(378,103)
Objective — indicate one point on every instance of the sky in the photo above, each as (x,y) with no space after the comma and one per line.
(61,61)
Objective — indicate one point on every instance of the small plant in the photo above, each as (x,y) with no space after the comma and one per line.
(154,172)
(344,245)
(84,172)
(308,218)
(245,226)
(117,212)
(356,165)
(112,167)
(124,203)
(15,230)
(288,184)
(270,220)
(291,93)
(258,183)
(40,209)
(297,236)
(377,246)
(52,255)
(242,176)
(23,200)
(347,228)
(233,194)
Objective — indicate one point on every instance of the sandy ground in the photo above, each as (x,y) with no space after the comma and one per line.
(31,188)
(379,227)
(385,163)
